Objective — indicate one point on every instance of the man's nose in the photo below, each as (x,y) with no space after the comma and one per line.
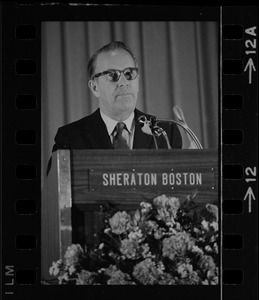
(123,80)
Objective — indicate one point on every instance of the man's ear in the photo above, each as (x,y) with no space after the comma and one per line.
(94,88)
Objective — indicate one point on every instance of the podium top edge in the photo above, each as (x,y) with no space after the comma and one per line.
(148,153)
(134,151)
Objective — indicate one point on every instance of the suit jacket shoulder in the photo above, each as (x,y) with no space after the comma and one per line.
(87,133)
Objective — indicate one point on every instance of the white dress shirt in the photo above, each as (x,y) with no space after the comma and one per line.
(128,134)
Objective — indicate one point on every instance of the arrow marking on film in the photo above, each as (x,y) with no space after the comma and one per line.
(250,195)
(250,67)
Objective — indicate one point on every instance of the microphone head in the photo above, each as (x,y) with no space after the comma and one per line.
(142,120)
(145,125)
(179,113)
(146,129)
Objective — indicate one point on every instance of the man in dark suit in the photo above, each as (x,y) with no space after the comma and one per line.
(114,80)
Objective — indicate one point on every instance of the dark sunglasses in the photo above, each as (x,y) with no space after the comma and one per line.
(114,75)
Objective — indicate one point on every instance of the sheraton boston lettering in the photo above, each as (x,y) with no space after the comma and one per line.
(151,179)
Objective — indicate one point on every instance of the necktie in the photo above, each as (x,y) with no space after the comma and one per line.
(118,141)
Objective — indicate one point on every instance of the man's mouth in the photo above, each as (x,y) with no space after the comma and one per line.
(124,94)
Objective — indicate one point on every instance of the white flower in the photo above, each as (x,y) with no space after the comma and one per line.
(120,222)
(158,234)
(214,225)
(208,248)
(71,270)
(184,269)
(101,270)
(136,217)
(132,235)
(146,253)
(143,211)
(73,254)
(63,277)
(135,235)
(101,246)
(197,250)
(215,247)
(205,225)
(129,248)
(146,205)
(160,267)
(213,209)
(55,268)
(178,226)
(196,230)
(167,208)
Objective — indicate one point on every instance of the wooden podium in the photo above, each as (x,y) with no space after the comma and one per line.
(81,180)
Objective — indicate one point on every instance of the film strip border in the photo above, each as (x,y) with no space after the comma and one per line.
(240,148)
(21,152)
(21,138)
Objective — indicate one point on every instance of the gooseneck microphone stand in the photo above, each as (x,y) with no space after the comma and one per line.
(149,126)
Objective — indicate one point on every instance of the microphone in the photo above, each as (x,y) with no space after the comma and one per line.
(151,127)
(145,125)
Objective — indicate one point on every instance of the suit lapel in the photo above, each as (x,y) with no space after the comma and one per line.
(95,132)
(141,140)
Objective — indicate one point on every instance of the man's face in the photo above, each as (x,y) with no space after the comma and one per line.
(116,99)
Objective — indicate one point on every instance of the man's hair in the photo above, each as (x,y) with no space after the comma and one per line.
(109,47)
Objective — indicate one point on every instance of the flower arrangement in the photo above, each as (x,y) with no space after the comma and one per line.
(161,243)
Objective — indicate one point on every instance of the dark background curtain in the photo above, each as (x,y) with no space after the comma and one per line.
(178,66)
